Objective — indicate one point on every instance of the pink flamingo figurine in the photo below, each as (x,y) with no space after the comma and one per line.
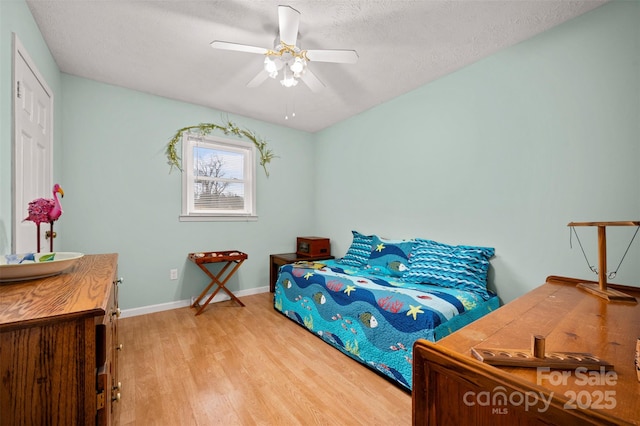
(46,210)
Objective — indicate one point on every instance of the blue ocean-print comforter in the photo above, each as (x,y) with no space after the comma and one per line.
(373,319)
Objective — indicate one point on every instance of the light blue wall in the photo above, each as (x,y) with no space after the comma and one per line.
(120,197)
(15,17)
(503,153)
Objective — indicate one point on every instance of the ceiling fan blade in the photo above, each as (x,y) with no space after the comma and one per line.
(258,79)
(289,20)
(225,45)
(312,81)
(339,56)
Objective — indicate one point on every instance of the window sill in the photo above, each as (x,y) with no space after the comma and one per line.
(217,218)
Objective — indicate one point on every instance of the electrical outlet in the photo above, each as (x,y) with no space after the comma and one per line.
(173,274)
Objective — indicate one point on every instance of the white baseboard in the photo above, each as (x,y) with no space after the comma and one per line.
(220,297)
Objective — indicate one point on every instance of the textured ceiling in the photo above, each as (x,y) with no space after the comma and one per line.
(162,47)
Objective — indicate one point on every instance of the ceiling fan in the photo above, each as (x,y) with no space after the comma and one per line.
(287,57)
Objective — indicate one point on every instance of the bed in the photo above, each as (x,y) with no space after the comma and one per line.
(375,302)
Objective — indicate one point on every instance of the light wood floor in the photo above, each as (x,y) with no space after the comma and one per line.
(245,366)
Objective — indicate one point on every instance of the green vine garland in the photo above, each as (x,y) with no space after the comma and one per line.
(266,155)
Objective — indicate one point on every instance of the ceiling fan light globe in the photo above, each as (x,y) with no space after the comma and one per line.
(288,82)
(270,66)
(297,66)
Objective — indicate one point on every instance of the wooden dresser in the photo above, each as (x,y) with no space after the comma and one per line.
(59,345)
(451,387)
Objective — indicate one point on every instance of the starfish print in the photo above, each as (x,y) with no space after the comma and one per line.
(349,289)
(415,310)
(380,247)
(308,275)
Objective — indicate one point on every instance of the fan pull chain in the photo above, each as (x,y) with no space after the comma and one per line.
(293,106)
(293,103)
(612,274)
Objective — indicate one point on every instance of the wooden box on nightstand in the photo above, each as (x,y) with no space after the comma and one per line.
(313,246)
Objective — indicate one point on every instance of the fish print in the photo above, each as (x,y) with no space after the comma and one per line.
(294,316)
(329,336)
(398,266)
(398,347)
(368,320)
(319,298)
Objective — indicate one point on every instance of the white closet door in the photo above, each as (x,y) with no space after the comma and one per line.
(33,146)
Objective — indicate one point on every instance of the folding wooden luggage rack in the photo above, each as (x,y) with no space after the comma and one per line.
(231,257)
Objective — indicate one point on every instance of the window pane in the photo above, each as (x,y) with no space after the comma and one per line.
(218,164)
(218,195)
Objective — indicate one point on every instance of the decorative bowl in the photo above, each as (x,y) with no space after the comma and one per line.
(30,266)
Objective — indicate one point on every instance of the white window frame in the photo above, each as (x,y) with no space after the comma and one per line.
(189,212)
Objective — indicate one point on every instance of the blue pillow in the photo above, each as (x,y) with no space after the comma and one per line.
(389,257)
(358,252)
(461,267)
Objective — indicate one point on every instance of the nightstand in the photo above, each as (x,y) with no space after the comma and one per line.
(277,260)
